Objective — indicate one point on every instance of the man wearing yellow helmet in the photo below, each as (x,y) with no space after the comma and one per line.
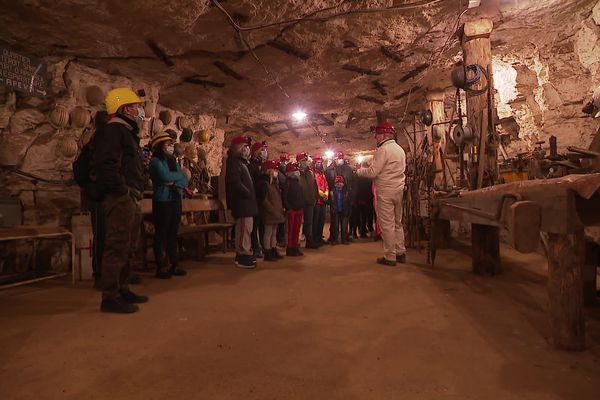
(120,175)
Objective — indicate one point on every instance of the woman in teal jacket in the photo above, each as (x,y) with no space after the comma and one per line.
(168,181)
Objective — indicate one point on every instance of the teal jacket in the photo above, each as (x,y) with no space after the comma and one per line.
(160,174)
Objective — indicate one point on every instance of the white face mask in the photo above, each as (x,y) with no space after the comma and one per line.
(170,149)
(295,174)
(141,114)
(273,173)
(339,162)
(245,152)
(263,155)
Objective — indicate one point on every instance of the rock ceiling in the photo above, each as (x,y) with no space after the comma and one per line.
(346,60)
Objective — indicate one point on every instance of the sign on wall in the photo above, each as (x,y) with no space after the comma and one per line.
(23,73)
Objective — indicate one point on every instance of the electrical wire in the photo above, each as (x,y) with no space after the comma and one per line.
(416,4)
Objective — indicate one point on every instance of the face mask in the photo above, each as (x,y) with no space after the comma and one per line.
(339,162)
(263,155)
(319,167)
(295,174)
(282,164)
(339,185)
(303,164)
(273,173)
(245,152)
(169,149)
(141,114)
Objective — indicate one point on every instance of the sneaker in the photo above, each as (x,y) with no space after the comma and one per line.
(298,252)
(135,279)
(161,274)
(401,258)
(385,261)
(176,271)
(246,262)
(258,253)
(276,254)
(269,256)
(118,306)
(130,297)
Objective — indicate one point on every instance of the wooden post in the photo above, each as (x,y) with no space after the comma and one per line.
(437,135)
(485,247)
(477,50)
(592,261)
(566,256)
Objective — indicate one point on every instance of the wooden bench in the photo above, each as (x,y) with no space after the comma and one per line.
(196,213)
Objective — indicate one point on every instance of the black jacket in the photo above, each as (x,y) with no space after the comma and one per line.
(364,190)
(239,188)
(293,195)
(309,186)
(118,160)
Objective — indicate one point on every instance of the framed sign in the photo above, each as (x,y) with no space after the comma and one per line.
(22,73)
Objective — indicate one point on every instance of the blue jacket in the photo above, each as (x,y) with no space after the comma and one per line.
(340,200)
(160,174)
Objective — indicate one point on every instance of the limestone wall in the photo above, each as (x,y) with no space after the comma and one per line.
(36,156)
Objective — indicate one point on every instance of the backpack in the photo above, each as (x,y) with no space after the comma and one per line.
(82,166)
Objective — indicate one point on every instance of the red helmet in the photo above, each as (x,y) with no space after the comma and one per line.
(291,167)
(269,164)
(239,140)
(385,127)
(339,155)
(257,146)
(303,156)
(284,157)
(339,179)
(317,157)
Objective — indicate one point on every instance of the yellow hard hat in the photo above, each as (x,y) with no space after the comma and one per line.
(119,97)
(159,138)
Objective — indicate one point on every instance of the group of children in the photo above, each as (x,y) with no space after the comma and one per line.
(272,201)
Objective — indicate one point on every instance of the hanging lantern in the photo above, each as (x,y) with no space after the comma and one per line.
(184,122)
(186,135)
(165,116)
(59,117)
(179,149)
(157,126)
(80,117)
(67,146)
(204,136)
(94,95)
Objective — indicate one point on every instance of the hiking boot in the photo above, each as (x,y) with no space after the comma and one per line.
(276,254)
(385,261)
(130,297)
(258,253)
(269,256)
(247,262)
(135,279)
(176,271)
(162,274)
(401,258)
(291,252)
(118,306)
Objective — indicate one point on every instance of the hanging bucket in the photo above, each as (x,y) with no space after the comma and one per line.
(94,95)
(80,118)
(165,116)
(59,117)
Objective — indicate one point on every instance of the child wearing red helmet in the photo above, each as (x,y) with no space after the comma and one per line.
(270,208)
(293,202)
(341,207)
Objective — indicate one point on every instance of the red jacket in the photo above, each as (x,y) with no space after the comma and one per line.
(323,187)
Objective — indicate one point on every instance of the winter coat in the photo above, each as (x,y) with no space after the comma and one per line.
(387,168)
(241,197)
(270,204)
(364,191)
(293,195)
(344,170)
(323,187)
(309,187)
(340,200)
(254,167)
(117,158)
(160,175)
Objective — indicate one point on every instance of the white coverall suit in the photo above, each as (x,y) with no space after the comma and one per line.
(387,170)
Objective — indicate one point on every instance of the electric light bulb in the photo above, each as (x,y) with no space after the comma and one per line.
(329,154)
(360,159)
(299,115)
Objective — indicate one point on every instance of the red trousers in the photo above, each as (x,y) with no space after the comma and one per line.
(294,222)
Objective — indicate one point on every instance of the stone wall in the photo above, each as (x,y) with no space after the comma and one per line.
(36,156)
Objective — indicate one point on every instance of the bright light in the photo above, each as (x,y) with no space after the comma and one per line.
(329,154)
(299,115)
(360,159)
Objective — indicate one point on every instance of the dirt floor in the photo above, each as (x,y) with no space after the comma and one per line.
(332,325)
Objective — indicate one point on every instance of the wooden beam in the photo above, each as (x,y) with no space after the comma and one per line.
(289,49)
(160,53)
(391,54)
(380,87)
(371,99)
(360,70)
(566,256)
(415,71)
(227,71)
(203,82)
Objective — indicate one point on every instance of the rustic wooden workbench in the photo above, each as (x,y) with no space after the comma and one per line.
(553,210)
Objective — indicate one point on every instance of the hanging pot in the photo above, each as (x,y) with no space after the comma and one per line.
(67,146)
(165,116)
(184,122)
(157,126)
(458,78)
(186,135)
(462,135)
(94,95)
(426,117)
(59,117)
(204,136)
(80,118)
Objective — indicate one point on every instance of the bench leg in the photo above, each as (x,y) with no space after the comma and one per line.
(224,236)
(199,247)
